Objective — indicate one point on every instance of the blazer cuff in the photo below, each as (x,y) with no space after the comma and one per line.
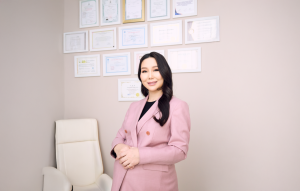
(165,155)
(112,152)
(145,155)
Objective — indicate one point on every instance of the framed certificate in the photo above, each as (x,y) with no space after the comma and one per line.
(185,59)
(103,39)
(133,37)
(129,89)
(140,54)
(88,13)
(87,65)
(116,64)
(184,8)
(158,9)
(204,29)
(166,33)
(110,12)
(76,42)
(133,11)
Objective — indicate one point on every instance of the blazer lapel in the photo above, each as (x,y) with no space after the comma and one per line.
(148,115)
(139,110)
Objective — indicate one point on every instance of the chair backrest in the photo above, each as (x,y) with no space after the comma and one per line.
(78,153)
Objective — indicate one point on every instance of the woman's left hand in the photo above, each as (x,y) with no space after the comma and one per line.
(129,158)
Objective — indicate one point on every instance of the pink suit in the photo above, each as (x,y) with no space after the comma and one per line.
(159,147)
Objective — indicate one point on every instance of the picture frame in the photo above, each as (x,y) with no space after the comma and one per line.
(103,39)
(133,11)
(87,65)
(110,12)
(182,9)
(205,29)
(139,54)
(129,89)
(185,59)
(158,10)
(135,36)
(166,33)
(75,42)
(116,64)
(88,13)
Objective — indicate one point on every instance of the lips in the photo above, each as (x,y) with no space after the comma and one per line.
(151,83)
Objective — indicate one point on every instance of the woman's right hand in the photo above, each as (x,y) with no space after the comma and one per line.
(121,148)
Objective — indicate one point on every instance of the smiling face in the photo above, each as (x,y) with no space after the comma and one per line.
(150,75)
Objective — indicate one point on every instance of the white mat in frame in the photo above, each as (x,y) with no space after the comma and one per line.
(116,64)
(185,59)
(129,89)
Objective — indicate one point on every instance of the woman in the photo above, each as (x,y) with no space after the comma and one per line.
(154,135)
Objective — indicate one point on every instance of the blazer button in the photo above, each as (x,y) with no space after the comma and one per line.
(148,133)
(125,131)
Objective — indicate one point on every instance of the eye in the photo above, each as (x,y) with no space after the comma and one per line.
(144,71)
(156,69)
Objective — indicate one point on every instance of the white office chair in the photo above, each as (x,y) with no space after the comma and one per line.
(78,157)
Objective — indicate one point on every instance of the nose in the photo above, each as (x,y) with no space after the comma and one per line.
(150,75)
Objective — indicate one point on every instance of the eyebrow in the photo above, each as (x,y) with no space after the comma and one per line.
(146,67)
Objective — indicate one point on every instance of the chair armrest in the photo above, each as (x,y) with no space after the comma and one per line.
(104,182)
(55,180)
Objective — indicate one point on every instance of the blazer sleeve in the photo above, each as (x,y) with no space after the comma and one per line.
(120,138)
(177,147)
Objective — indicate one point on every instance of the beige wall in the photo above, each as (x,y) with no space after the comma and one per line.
(31,90)
(244,104)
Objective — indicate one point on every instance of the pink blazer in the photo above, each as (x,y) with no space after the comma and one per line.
(159,147)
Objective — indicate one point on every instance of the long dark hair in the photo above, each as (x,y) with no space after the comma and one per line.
(167,87)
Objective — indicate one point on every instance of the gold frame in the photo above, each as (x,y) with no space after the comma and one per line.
(134,20)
